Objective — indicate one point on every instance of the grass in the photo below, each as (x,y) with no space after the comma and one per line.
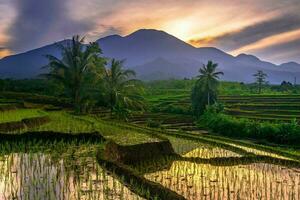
(121,136)
(62,121)
(65,122)
(18,115)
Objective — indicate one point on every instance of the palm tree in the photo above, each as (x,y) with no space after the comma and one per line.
(123,92)
(209,78)
(206,86)
(74,70)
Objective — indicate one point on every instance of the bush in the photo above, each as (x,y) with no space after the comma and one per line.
(153,124)
(37,99)
(173,109)
(280,133)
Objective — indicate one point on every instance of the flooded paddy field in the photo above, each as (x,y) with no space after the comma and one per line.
(208,172)
(63,171)
(201,169)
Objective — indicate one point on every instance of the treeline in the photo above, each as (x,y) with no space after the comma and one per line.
(36,86)
(279,133)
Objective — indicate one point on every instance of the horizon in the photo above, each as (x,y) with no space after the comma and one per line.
(267,29)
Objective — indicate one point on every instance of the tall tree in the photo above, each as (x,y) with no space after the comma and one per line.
(123,92)
(205,90)
(260,79)
(75,69)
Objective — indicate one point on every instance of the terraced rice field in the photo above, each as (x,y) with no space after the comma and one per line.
(166,121)
(206,169)
(66,171)
(257,107)
(263,107)
(17,115)
(210,172)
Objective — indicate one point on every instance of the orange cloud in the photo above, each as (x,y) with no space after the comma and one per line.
(4,52)
(269,41)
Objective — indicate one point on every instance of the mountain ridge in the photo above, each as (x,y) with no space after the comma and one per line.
(149,48)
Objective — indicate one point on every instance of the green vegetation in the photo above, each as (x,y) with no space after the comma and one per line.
(79,158)
(282,133)
(205,90)
(168,140)
(122,92)
(276,108)
(18,115)
(87,81)
(75,70)
(260,78)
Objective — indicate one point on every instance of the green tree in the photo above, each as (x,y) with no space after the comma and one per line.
(204,91)
(286,86)
(123,92)
(76,69)
(260,80)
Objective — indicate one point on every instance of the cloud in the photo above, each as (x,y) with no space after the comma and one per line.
(231,25)
(39,22)
(4,52)
(102,31)
(283,52)
(251,34)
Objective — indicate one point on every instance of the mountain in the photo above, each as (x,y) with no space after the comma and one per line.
(157,55)
(153,70)
(28,64)
(144,46)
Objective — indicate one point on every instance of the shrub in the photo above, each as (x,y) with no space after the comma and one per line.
(153,124)
(38,99)
(170,108)
(280,133)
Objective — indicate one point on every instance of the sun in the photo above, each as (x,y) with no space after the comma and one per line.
(180,29)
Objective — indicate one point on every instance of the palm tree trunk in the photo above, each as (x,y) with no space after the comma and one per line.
(208,99)
(111,105)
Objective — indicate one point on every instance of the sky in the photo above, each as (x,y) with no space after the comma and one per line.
(269,29)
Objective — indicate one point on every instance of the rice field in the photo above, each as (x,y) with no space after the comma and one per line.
(18,115)
(254,181)
(263,107)
(203,167)
(58,174)
(201,174)
(280,107)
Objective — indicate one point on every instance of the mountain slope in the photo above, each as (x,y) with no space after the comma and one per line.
(157,55)
(28,64)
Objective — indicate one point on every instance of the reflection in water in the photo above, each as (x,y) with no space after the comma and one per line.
(39,176)
(205,180)
(211,152)
(190,148)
